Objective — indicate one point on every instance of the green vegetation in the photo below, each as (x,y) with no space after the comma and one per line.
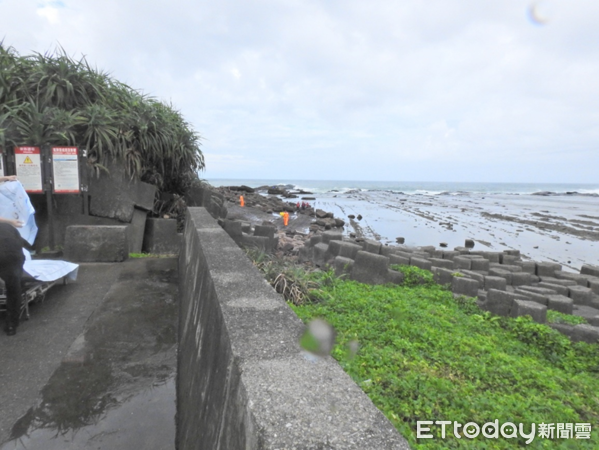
(424,355)
(53,99)
(149,255)
(557,317)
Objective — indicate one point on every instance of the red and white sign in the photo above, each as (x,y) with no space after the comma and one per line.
(29,168)
(66,170)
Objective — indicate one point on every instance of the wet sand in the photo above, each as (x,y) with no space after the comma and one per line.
(563,229)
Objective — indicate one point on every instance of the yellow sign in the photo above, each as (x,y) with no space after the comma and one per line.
(27,160)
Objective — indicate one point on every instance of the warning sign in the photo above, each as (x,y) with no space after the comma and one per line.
(29,168)
(66,170)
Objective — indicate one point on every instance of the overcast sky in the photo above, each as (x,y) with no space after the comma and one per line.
(404,90)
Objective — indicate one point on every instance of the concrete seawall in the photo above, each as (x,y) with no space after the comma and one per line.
(243,382)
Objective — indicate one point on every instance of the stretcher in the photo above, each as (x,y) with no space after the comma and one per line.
(38,275)
(33,291)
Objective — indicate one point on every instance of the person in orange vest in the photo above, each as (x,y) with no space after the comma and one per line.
(285,218)
(241,201)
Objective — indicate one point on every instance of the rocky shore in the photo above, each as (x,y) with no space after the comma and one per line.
(504,282)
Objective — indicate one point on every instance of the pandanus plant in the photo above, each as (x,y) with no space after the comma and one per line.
(56,100)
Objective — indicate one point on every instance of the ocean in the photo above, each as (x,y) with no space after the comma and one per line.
(545,221)
(416,187)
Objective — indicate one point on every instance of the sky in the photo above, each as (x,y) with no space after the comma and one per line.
(410,90)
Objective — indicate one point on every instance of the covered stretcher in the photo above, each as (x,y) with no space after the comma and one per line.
(38,275)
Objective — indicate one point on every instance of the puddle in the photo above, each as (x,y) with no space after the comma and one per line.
(127,425)
(115,387)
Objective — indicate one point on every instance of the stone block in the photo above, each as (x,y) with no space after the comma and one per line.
(500,302)
(561,290)
(115,196)
(370,268)
(442,276)
(444,263)
(594,285)
(520,278)
(475,276)
(541,299)
(501,273)
(401,260)
(386,250)
(317,239)
(438,254)
(136,230)
(527,266)
(588,269)
(321,254)
(492,257)
(480,264)
(564,328)
(264,230)
(347,249)
(329,236)
(161,237)
(100,243)
(585,333)
(535,310)
(509,259)
(343,266)
(538,290)
(371,246)
(260,243)
(464,286)
(450,254)
(594,321)
(580,295)
(498,283)
(395,277)
(547,269)
(511,267)
(306,253)
(428,249)
(581,280)
(561,282)
(560,303)
(461,262)
(233,229)
(421,263)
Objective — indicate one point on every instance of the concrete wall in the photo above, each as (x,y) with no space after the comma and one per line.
(243,382)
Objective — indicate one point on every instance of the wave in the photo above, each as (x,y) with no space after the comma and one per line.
(426,188)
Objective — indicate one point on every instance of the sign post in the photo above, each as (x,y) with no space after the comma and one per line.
(65,167)
(28,166)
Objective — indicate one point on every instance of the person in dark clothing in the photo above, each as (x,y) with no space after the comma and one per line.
(11,271)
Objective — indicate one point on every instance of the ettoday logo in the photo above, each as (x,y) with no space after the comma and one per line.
(507,430)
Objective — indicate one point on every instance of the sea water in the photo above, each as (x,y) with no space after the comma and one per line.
(416,187)
(498,216)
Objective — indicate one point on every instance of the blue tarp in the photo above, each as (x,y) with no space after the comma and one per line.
(15,204)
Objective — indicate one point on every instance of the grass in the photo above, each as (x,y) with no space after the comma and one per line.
(150,255)
(424,355)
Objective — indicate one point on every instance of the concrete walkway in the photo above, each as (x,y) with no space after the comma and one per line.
(94,367)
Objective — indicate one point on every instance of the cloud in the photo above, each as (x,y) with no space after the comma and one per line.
(291,86)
